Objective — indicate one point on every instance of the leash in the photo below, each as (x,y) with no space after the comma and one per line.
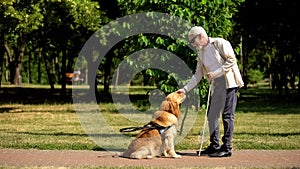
(151,125)
(131,129)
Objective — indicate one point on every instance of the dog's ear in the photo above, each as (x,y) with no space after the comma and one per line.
(170,97)
(175,109)
(171,107)
(165,106)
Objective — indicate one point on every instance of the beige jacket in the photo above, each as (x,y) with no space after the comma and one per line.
(226,58)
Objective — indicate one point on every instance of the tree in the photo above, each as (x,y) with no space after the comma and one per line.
(52,29)
(66,29)
(21,18)
(214,16)
(271,27)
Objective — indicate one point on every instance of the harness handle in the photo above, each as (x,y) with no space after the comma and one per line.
(150,125)
(131,129)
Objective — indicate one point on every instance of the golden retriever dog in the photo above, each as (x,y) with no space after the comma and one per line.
(158,136)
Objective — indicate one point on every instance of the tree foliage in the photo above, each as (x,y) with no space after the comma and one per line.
(54,28)
(214,16)
(270,32)
(22,18)
(40,39)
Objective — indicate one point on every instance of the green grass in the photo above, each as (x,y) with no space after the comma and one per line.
(263,121)
(41,127)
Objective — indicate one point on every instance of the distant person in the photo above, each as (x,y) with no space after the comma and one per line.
(217,62)
(77,77)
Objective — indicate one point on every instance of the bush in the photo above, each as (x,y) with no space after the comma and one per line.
(255,76)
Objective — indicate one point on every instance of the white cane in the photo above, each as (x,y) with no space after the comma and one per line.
(205,120)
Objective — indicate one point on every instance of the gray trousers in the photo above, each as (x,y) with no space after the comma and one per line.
(222,101)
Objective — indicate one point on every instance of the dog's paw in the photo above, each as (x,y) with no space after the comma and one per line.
(136,156)
(165,154)
(176,156)
(149,157)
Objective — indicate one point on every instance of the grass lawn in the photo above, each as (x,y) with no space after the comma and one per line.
(263,121)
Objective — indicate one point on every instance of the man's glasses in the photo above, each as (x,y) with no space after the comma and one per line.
(193,39)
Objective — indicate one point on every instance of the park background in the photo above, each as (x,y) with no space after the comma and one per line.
(41,40)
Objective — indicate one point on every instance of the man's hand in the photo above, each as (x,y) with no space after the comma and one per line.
(211,75)
(215,74)
(182,90)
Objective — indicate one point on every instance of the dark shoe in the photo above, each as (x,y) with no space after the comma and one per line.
(221,154)
(207,151)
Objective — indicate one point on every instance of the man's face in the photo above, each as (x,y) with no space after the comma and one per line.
(199,41)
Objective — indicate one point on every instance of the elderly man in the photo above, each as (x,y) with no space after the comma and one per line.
(217,62)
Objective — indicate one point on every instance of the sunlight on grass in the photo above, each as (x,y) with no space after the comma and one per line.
(260,123)
(42,127)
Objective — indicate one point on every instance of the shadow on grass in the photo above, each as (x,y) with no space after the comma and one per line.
(66,134)
(267,101)
(47,96)
(14,109)
(34,96)
(262,134)
(259,100)
(6,109)
(62,134)
(268,134)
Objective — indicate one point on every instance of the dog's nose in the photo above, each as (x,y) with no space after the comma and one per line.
(179,92)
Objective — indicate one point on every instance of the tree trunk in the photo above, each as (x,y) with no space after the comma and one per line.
(17,65)
(107,71)
(17,80)
(29,80)
(270,81)
(63,71)
(2,52)
(39,66)
(48,71)
(299,84)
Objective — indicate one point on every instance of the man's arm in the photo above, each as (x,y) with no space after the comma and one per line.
(195,78)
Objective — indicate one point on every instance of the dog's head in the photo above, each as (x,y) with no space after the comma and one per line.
(172,102)
(176,97)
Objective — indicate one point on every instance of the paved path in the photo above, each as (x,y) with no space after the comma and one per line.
(75,158)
